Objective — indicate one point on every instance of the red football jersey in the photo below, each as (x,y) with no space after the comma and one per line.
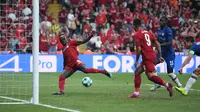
(145,40)
(23,42)
(70,53)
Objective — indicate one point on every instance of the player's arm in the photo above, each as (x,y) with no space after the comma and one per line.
(158,48)
(169,38)
(138,49)
(84,40)
(167,43)
(187,60)
(138,52)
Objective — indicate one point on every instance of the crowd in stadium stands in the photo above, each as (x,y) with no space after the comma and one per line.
(112,19)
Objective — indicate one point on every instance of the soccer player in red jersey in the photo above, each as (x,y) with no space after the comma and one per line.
(144,46)
(71,61)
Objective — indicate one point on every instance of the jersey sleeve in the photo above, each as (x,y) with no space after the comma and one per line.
(73,42)
(169,34)
(192,49)
(137,40)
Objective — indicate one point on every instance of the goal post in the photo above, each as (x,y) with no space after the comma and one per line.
(19,73)
(35,52)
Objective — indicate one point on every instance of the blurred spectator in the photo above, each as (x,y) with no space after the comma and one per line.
(23,43)
(102,2)
(45,25)
(49,17)
(3,43)
(117,21)
(102,49)
(85,13)
(71,22)
(52,42)
(87,27)
(196,4)
(55,26)
(103,10)
(89,3)
(62,16)
(12,15)
(100,20)
(111,33)
(155,24)
(43,42)
(74,2)
(13,44)
(77,16)
(26,12)
(43,7)
(19,28)
(131,45)
(128,19)
(10,33)
(128,50)
(95,42)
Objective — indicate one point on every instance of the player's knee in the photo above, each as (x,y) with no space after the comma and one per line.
(149,76)
(84,70)
(169,70)
(197,71)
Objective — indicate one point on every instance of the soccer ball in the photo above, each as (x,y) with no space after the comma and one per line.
(87,81)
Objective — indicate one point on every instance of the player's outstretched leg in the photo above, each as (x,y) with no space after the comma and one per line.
(137,83)
(94,70)
(174,78)
(156,86)
(61,83)
(190,82)
(160,81)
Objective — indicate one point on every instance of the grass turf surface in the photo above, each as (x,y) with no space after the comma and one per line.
(105,95)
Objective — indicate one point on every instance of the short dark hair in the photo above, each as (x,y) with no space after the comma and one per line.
(137,22)
(165,19)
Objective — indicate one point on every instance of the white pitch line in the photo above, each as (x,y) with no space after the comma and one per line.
(67,109)
(15,99)
(58,108)
(27,102)
(12,103)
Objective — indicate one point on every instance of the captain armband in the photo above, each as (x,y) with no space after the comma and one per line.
(191,52)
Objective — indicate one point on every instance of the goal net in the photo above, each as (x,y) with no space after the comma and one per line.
(16,79)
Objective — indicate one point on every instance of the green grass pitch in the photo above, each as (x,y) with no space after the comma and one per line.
(105,95)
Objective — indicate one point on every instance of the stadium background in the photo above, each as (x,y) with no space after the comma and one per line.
(114,37)
(111,18)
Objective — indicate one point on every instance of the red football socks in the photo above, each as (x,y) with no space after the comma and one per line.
(61,83)
(93,70)
(137,82)
(158,80)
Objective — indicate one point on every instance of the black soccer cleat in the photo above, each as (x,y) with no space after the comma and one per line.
(58,93)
